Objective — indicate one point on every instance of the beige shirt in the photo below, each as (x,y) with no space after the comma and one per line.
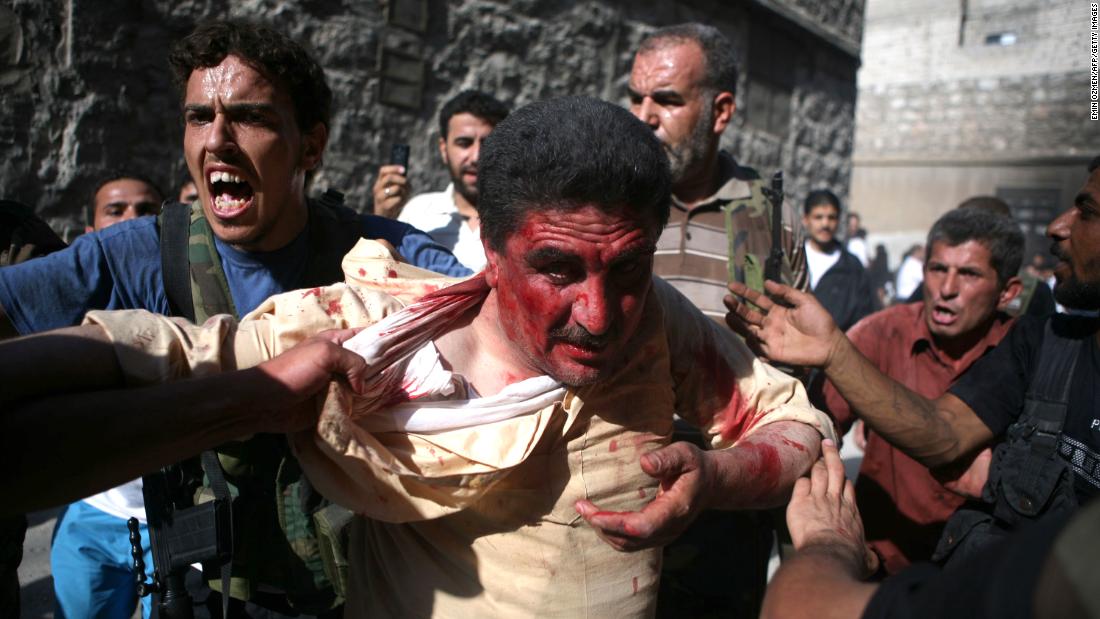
(461,530)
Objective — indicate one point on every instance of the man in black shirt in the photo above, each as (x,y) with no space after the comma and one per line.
(1036,390)
(1035,572)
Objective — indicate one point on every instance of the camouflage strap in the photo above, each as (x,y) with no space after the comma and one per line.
(209,287)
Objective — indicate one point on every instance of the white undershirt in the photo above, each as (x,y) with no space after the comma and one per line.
(819,262)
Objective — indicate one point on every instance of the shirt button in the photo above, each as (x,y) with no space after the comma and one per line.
(1025,504)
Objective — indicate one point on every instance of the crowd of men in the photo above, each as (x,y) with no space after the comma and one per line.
(609,431)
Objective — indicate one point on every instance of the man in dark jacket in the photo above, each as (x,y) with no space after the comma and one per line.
(837,278)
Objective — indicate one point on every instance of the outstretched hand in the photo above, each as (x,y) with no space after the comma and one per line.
(305,370)
(798,332)
(823,512)
(685,476)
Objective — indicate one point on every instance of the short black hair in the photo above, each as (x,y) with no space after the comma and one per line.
(999,234)
(275,55)
(112,175)
(566,153)
(473,102)
(720,73)
(989,203)
(818,197)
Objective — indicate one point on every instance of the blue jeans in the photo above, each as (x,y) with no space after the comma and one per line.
(93,573)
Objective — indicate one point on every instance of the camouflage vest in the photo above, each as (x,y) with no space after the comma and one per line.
(284,534)
(1028,479)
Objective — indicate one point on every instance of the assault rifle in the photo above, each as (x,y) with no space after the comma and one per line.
(182,534)
(773,266)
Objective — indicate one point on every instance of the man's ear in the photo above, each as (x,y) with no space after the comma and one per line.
(492,260)
(313,146)
(443,151)
(1012,289)
(724,107)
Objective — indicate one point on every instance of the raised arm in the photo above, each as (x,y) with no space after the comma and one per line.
(69,429)
(934,432)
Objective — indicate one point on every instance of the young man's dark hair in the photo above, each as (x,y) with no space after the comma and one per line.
(989,203)
(473,102)
(1095,163)
(721,60)
(109,177)
(266,50)
(602,156)
(818,197)
(999,234)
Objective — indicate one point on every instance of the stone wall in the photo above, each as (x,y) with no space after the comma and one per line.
(85,88)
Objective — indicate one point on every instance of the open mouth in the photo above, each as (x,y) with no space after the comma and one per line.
(230,194)
(943,315)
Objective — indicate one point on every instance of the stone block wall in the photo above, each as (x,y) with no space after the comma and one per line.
(931,87)
(964,98)
(84,87)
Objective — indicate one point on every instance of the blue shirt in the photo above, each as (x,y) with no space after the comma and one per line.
(119,268)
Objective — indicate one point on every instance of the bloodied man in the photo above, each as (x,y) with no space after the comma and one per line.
(589,357)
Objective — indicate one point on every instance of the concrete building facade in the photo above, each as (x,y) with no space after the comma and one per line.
(961,98)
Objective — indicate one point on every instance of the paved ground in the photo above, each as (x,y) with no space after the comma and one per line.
(34,572)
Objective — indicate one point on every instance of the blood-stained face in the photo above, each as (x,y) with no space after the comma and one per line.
(244,147)
(570,287)
(1076,236)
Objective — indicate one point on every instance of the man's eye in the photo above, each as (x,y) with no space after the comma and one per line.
(196,118)
(559,273)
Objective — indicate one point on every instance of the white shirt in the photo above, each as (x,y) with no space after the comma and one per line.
(436,213)
(122,501)
(857,246)
(819,263)
(910,275)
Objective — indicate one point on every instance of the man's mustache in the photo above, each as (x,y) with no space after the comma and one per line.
(1058,253)
(580,337)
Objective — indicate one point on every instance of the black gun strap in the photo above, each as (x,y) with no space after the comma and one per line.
(777,217)
(213,469)
(175,231)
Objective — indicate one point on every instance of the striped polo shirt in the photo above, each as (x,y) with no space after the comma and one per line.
(693,250)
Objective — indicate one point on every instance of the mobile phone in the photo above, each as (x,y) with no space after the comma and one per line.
(399,155)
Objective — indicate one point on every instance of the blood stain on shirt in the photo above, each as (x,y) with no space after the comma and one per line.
(362,272)
(729,409)
(334,307)
(391,273)
(634,583)
(613,446)
(312,291)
